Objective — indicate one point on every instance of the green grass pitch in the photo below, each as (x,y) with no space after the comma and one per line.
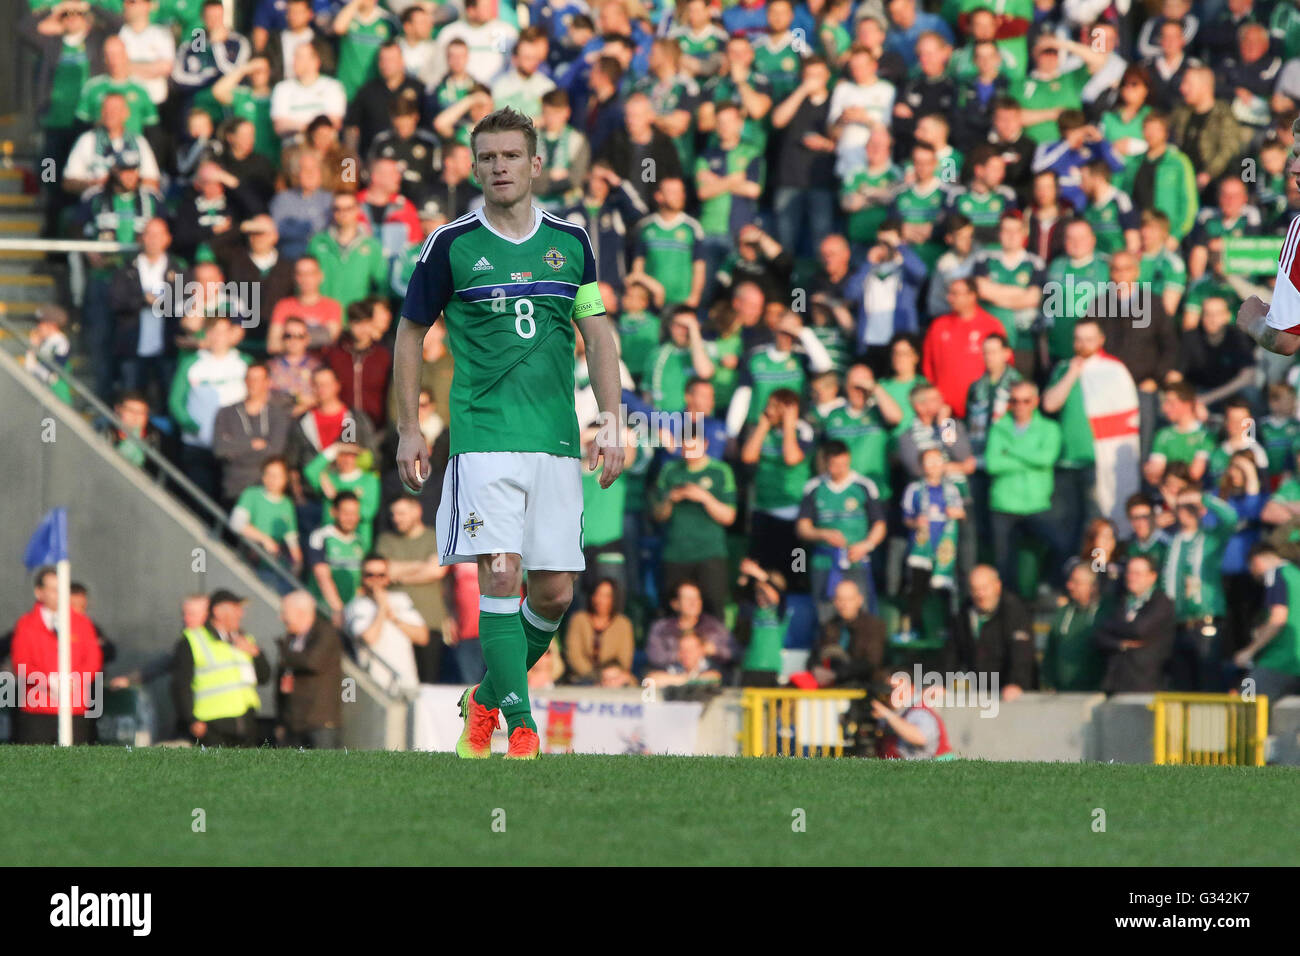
(102,806)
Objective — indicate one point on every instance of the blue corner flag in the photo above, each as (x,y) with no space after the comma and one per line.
(49,543)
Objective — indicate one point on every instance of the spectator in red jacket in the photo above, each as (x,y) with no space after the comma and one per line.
(361,362)
(391,217)
(953,353)
(35,654)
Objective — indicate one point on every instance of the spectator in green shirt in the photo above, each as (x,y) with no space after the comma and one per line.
(778,450)
(335,470)
(353,262)
(695,501)
(334,556)
(1184,439)
(685,355)
(842,518)
(1021,454)
(1193,580)
(1273,654)
(265,515)
(762,631)
(1072,660)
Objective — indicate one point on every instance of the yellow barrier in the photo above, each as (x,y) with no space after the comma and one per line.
(1210,729)
(792,723)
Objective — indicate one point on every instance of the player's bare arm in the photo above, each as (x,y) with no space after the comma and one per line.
(412,452)
(1252,319)
(602,362)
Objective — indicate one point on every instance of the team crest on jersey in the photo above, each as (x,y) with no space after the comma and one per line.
(850,505)
(472,524)
(521,277)
(554,258)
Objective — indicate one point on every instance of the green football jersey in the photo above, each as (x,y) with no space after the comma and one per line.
(779,487)
(1212,225)
(680,93)
(850,508)
(1284,25)
(359,49)
(1155,547)
(1064,92)
(1186,446)
(1210,287)
(700,46)
(1024,271)
(602,510)
(670,250)
(185,15)
(509,307)
(920,205)
(669,369)
(724,379)
(766,370)
(780,62)
(1114,129)
(766,638)
(1109,219)
(274,517)
(247,105)
(879,187)
(1164,270)
(689,533)
(343,553)
(867,436)
(1067,297)
(70,75)
(984,210)
(1078,447)
(1282,653)
(141,111)
(1279,437)
(638,334)
(722,89)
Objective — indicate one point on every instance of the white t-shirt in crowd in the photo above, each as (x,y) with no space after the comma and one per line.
(150,45)
(393,646)
(291,100)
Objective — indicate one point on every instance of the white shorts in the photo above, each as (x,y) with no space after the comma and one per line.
(512,502)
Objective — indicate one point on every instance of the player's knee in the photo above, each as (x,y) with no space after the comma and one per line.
(553,598)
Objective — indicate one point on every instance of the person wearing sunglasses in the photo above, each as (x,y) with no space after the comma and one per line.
(1020,457)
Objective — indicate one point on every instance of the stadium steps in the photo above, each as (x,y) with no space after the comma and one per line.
(139,549)
(27,281)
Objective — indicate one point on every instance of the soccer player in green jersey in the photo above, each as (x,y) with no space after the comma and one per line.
(510,281)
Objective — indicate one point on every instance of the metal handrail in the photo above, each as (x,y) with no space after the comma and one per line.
(220,522)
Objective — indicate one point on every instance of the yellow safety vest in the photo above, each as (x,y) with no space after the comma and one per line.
(225,683)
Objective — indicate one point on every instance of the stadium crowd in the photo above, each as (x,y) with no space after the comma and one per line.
(926,315)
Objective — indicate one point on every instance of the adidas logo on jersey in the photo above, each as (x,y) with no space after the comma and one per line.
(510,698)
(482,265)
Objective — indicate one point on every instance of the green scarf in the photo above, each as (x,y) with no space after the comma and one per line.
(938,555)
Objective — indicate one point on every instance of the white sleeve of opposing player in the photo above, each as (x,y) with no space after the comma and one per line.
(1284,313)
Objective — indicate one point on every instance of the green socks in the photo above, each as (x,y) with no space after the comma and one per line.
(513,639)
(539,631)
(505,651)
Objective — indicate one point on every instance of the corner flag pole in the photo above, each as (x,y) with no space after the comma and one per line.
(64,571)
